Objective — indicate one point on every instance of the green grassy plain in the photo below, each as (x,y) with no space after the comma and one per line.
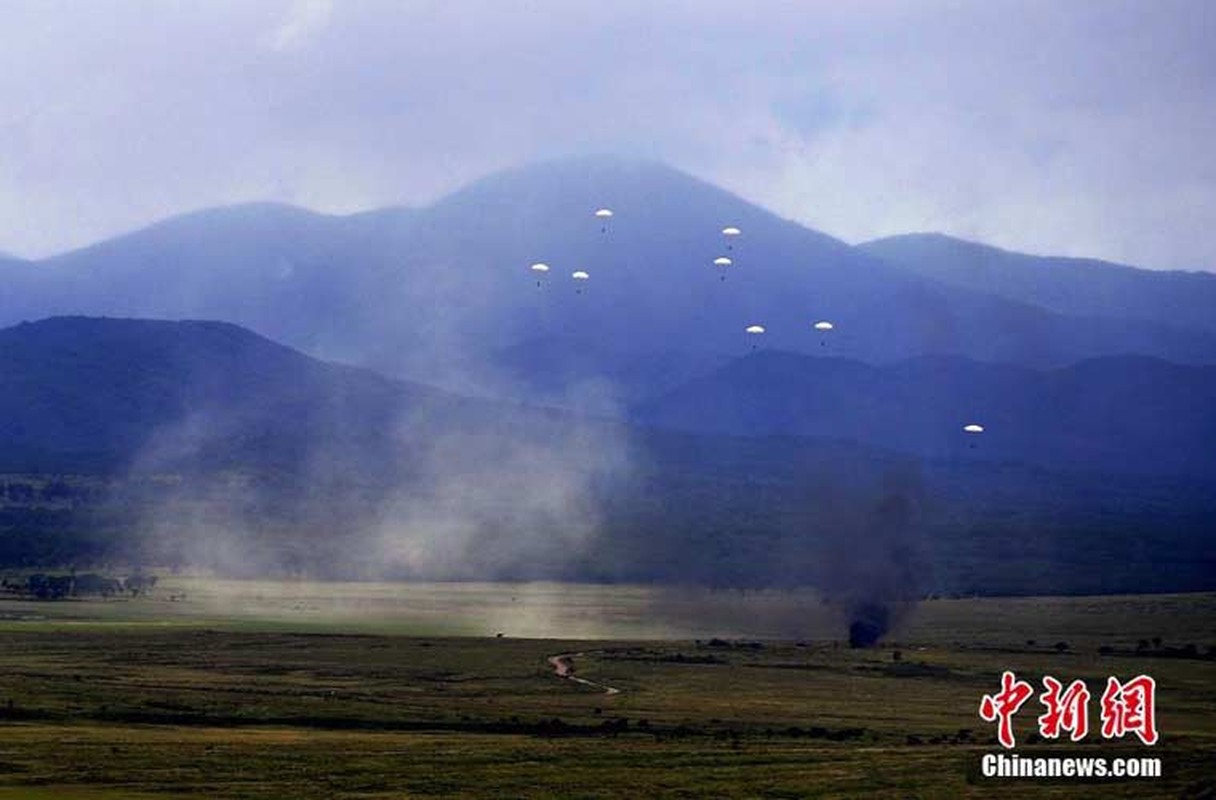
(261,689)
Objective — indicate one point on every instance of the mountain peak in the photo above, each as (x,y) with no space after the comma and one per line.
(408,292)
(629,186)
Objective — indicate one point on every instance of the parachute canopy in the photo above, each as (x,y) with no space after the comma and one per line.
(824,325)
(538,267)
(755,329)
(580,275)
(973,428)
(723,261)
(603,213)
(731,230)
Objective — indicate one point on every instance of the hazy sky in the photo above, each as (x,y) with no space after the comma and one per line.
(1071,127)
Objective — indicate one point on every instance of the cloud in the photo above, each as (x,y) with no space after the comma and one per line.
(305,19)
(1071,128)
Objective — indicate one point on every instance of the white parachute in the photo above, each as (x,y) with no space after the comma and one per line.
(730,232)
(754,331)
(723,262)
(603,215)
(539,269)
(973,428)
(824,327)
(579,275)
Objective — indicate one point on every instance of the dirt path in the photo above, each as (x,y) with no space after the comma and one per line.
(563,667)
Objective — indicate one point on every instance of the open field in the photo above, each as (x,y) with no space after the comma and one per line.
(385,690)
(593,611)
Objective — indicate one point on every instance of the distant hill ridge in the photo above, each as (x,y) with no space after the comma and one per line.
(101,394)
(1068,285)
(1115,413)
(204,443)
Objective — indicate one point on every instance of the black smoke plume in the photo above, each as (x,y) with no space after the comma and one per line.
(876,570)
(870,622)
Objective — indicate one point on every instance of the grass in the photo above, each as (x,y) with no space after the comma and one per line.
(208,697)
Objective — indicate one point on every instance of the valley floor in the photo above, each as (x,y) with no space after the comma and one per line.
(158,698)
